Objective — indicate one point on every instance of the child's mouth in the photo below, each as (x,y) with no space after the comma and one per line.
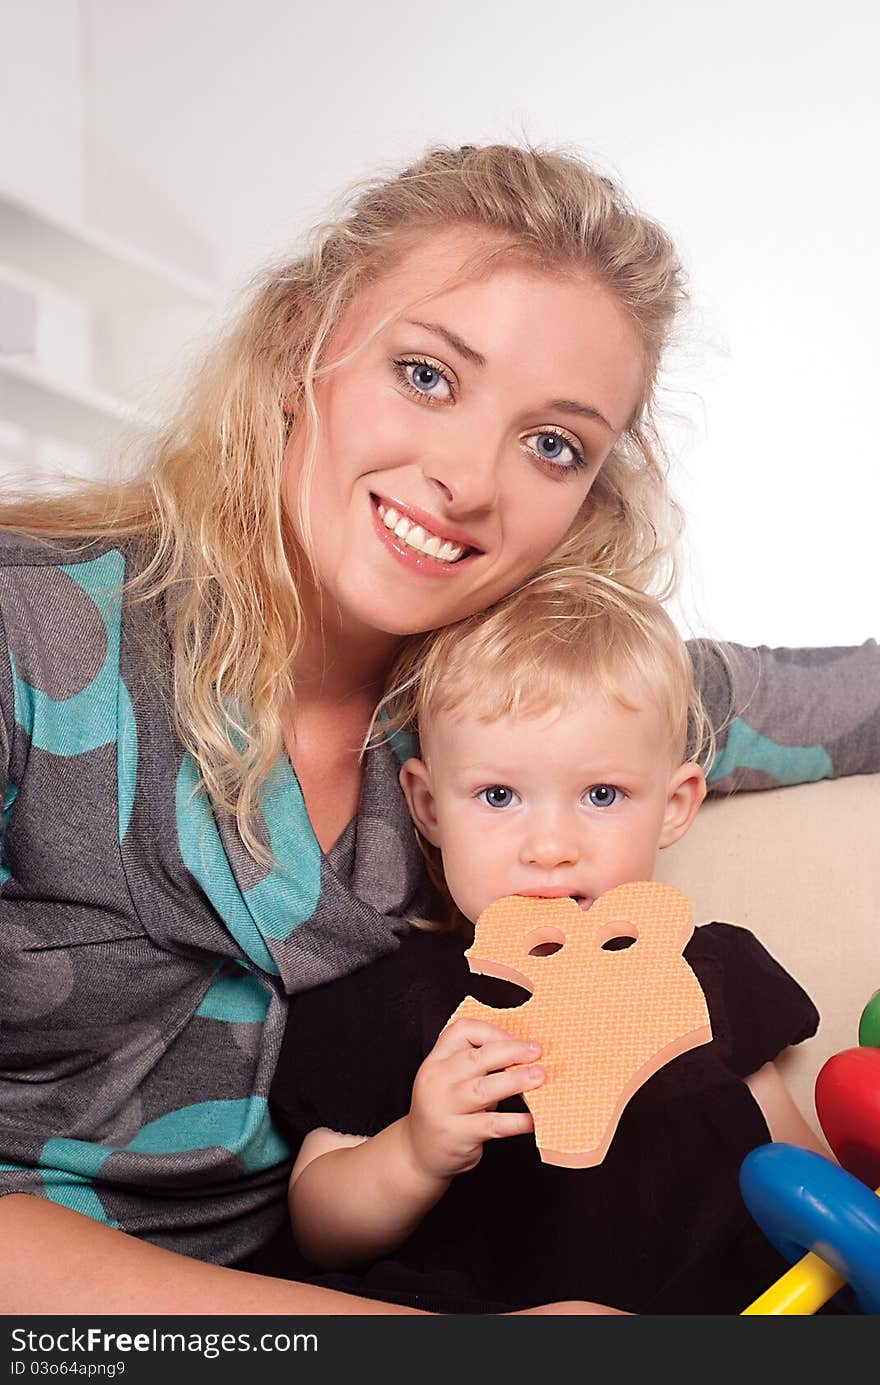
(581,900)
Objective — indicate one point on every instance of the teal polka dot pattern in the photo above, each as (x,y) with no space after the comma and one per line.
(785,764)
(76,1158)
(205,859)
(282,899)
(243,1127)
(86,720)
(404,743)
(126,759)
(8,800)
(787,716)
(71,1166)
(79,1196)
(289,895)
(235,999)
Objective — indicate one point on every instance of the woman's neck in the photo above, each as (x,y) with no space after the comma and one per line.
(340,662)
(338,677)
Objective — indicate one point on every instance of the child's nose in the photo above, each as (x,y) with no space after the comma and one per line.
(551,846)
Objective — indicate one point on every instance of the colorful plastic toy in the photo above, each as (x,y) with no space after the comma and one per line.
(804,1202)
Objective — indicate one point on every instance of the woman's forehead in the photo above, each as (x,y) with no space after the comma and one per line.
(508,310)
(429,265)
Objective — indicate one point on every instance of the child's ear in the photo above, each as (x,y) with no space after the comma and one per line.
(415,780)
(687,789)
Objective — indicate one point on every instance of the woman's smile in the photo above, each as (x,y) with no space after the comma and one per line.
(418,540)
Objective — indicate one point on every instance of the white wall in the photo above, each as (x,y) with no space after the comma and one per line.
(215,128)
(42,146)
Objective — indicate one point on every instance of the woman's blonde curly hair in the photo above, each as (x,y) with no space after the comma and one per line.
(208,502)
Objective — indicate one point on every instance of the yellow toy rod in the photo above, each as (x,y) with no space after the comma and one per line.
(801,1290)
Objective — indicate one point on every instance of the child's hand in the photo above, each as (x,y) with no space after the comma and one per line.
(455,1094)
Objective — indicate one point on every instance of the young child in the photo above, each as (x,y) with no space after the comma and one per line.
(553,733)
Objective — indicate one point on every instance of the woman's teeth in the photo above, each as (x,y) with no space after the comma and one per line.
(414,536)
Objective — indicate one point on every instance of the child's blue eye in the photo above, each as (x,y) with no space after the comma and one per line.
(497,796)
(603,795)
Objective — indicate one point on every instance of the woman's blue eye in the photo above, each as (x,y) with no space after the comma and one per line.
(550,445)
(603,795)
(426,378)
(498,796)
(557,450)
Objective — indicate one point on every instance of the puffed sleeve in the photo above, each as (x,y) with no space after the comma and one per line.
(757,1009)
(352,1047)
(789,716)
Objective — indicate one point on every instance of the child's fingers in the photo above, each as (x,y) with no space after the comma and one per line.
(484,1091)
(492,1057)
(468,1034)
(497,1125)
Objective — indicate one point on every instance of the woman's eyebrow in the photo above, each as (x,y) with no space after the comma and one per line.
(570,406)
(452,340)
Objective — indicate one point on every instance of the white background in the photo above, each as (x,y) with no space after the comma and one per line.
(214,132)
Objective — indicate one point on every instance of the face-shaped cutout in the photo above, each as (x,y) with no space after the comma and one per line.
(607,1017)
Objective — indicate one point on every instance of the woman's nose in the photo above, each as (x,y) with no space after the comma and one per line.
(465,476)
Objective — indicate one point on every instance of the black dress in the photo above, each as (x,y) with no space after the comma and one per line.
(658,1227)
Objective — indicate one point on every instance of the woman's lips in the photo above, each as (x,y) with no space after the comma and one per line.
(444,531)
(410,557)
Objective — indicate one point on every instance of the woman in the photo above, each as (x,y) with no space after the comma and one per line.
(453,387)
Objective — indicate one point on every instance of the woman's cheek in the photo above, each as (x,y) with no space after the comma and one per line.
(543,522)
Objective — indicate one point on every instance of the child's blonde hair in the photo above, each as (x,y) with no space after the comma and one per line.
(562,631)
(209,502)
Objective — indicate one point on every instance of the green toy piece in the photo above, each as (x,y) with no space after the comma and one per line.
(869,1024)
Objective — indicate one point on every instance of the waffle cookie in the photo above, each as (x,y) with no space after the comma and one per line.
(606,1018)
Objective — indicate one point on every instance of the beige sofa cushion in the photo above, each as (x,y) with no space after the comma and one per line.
(800,867)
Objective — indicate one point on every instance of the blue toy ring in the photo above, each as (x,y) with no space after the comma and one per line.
(803,1202)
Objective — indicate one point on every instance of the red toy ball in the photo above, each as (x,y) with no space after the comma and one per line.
(848,1107)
